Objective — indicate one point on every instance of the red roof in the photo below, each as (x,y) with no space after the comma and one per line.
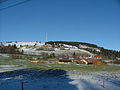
(98,56)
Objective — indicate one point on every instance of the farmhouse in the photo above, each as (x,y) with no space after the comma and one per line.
(83,62)
(35,61)
(97,57)
(96,62)
(65,62)
(39,61)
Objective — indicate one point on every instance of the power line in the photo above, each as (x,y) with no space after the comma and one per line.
(14,5)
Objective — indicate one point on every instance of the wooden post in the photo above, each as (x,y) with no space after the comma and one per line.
(103,84)
(22,86)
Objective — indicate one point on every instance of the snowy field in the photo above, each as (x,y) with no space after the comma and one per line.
(5,68)
(57,79)
(57,51)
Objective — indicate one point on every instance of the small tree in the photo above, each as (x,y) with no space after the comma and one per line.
(52,55)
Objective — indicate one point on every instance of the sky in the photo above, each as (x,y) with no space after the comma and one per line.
(91,21)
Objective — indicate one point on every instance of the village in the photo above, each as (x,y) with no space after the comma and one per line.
(58,53)
(74,58)
(88,60)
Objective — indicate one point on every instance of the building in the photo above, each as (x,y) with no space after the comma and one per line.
(97,57)
(64,62)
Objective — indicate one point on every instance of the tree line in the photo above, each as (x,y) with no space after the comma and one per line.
(10,49)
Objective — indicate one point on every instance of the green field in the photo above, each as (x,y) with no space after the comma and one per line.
(24,61)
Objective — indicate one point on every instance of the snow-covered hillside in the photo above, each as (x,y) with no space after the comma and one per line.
(85,46)
(18,44)
(33,51)
(32,48)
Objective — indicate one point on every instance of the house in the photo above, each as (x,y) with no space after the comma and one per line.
(39,61)
(47,45)
(64,62)
(118,58)
(84,62)
(61,57)
(35,61)
(76,61)
(97,57)
(96,62)
(78,57)
(71,58)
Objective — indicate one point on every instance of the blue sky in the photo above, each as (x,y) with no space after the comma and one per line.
(92,21)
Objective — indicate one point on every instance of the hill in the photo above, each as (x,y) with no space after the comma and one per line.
(110,54)
(57,48)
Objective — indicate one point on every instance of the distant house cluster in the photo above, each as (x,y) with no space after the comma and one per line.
(95,60)
(60,52)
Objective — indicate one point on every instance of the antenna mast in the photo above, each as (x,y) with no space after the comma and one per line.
(46,37)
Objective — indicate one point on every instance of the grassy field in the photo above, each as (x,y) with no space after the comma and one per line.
(74,67)
(24,62)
